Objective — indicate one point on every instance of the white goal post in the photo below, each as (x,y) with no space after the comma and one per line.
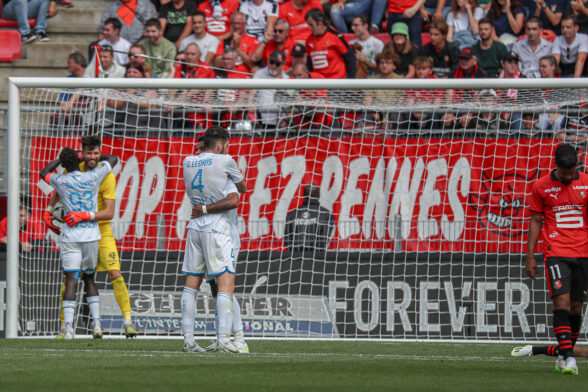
(429,216)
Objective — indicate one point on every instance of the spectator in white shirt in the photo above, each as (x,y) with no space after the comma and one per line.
(571,48)
(120,46)
(463,22)
(207,43)
(370,45)
(531,49)
(261,17)
(108,67)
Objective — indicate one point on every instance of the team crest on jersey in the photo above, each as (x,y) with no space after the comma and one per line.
(581,194)
(500,205)
(557,285)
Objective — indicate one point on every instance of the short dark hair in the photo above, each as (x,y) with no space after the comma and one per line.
(135,65)
(534,19)
(91,141)
(440,25)
(486,21)
(69,159)
(137,45)
(114,22)
(153,22)
(570,17)
(317,15)
(199,13)
(566,156)
(312,191)
(79,59)
(213,135)
(363,18)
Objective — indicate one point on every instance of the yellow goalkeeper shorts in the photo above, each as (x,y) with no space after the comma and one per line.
(108,258)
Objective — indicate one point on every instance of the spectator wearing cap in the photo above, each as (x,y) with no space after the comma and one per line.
(489,52)
(370,45)
(264,99)
(407,11)
(510,70)
(405,50)
(445,55)
(108,67)
(571,48)
(120,46)
(160,50)
(532,48)
(132,14)
(294,12)
(299,56)
(329,53)
(280,41)
(243,43)
(207,43)
(345,11)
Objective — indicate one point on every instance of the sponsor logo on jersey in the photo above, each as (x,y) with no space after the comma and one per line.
(580,187)
(552,189)
(554,234)
(554,195)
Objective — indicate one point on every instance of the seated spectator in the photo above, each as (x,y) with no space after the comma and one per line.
(343,12)
(490,120)
(445,55)
(548,68)
(421,119)
(30,230)
(510,70)
(532,48)
(370,45)
(176,20)
(76,66)
(132,14)
(570,49)
(435,10)
(261,17)
(120,46)
(280,41)
(137,53)
(108,67)
(468,66)
(330,55)
(549,12)
(242,42)
(22,11)
(264,99)
(579,9)
(207,43)
(463,22)
(299,55)
(489,52)
(136,113)
(403,48)
(218,16)
(407,11)
(508,17)
(232,100)
(307,115)
(160,50)
(294,12)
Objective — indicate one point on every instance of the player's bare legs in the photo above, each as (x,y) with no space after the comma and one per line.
(224,310)
(189,293)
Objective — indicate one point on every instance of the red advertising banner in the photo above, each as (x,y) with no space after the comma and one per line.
(466,195)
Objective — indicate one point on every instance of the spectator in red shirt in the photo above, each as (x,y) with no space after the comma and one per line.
(294,12)
(407,11)
(279,40)
(193,67)
(29,230)
(218,16)
(329,53)
(299,55)
(243,43)
(424,120)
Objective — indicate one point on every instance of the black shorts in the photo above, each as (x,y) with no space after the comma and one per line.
(567,275)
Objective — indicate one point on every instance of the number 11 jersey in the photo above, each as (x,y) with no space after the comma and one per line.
(565,223)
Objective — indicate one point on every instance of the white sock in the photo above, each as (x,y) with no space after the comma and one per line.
(224,308)
(237,322)
(94,304)
(188,313)
(69,308)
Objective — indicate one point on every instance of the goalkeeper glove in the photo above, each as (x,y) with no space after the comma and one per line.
(48,219)
(75,217)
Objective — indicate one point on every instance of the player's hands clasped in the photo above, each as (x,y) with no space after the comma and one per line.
(47,217)
(75,217)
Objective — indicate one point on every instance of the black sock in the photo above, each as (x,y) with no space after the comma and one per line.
(551,351)
(575,324)
(563,332)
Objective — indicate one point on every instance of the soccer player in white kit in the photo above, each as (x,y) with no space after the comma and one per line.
(79,239)
(209,248)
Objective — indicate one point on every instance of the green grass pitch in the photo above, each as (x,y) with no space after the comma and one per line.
(159,365)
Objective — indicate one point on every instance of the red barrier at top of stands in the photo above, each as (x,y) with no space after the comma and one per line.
(11,48)
(13,23)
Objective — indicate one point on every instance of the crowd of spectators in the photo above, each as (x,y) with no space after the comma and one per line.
(393,39)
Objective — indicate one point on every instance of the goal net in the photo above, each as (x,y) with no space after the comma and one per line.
(375,209)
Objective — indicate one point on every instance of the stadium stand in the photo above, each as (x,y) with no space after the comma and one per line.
(11,47)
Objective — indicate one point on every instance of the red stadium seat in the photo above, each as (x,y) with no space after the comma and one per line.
(11,48)
(12,23)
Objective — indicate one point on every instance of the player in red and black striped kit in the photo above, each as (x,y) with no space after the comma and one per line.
(558,213)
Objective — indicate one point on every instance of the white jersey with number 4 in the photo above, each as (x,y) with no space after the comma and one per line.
(78,191)
(206,177)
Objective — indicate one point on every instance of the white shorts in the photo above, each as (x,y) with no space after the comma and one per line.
(211,278)
(79,256)
(207,252)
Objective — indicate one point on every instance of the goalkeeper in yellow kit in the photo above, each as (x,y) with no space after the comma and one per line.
(108,258)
